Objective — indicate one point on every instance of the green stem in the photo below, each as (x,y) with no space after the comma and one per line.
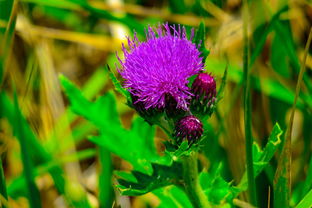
(3,191)
(247,110)
(191,182)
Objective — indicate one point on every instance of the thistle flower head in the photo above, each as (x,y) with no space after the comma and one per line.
(160,66)
(204,90)
(188,127)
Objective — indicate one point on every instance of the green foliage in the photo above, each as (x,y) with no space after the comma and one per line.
(247,109)
(38,155)
(282,180)
(199,40)
(3,191)
(306,202)
(222,85)
(177,6)
(218,191)
(284,33)
(60,4)
(263,157)
(281,190)
(308,181)
(33,192)
(137,183)
(279,59)
(113,135)
(99,13)
(118,86)
(261,34)
(131,140)
(6,8)
(37,150)
(16,187)
(172,197)
(270,87)
(96,13)
(6,33)
(105,178)
(184,149)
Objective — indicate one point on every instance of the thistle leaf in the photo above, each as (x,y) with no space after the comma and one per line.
(135,145)
(137,183)
(263,157)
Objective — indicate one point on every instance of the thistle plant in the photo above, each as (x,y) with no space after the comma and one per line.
(157,73)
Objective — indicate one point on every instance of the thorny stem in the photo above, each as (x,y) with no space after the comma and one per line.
(191,182)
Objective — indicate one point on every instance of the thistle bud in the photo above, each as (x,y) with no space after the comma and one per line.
(204,90)
(190,128)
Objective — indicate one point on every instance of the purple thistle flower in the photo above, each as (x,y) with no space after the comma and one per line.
(161,66)
(188,127)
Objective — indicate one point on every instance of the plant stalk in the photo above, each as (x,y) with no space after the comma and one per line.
(191,182)
(247,110)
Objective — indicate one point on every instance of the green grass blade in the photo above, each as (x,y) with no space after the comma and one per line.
(61,4)
(17,185)
(262,39)
(282,186)
(8,16)
(3,188)
(105,178)
(177,6)
(38,151)
(308,182)
(223,83)
(99,13)
(84,6)
(33,192)
(306,202)
(6,7)
(3,191)
(247,110)
(286,37)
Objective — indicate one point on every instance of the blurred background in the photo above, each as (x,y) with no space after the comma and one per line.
(41,39)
